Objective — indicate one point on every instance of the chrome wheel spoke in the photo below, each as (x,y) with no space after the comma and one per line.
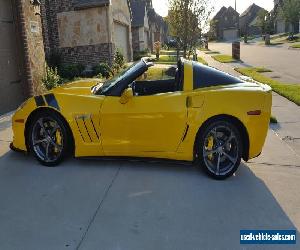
(230,138)
(218,164)
(37,142)
(233,160)
(47,152)
(40,122)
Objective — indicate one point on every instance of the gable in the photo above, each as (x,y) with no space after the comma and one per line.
(121,12)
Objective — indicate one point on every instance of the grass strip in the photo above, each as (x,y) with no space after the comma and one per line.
(224,58)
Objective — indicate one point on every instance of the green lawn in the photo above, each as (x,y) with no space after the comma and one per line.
(249,38)
(172,60)
(290,91)
(201,60)
(170,53)
(167,59)
(272,43)
(296,46)
(212,52)
(224,58)
(283,38)
(156,73)
(262,70)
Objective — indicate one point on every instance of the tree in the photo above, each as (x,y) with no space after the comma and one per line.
(265,22)
(290,11)
(186,18)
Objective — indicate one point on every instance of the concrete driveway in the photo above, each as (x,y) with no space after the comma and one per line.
(282,60)
(113,204)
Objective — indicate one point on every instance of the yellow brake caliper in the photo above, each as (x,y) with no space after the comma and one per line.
(210,146)
(58,140)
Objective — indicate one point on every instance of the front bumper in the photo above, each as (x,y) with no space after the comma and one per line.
(13,148)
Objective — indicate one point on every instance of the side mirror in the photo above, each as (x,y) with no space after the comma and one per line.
(126,96)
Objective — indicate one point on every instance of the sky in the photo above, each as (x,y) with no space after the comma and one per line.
(161,6)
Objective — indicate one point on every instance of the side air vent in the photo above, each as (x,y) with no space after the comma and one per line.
(88,127)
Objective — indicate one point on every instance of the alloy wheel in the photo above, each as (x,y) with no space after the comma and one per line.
(221,150)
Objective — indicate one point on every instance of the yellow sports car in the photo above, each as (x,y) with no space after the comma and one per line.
(201,115)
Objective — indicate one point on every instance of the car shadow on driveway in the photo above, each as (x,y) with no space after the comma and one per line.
(130,205)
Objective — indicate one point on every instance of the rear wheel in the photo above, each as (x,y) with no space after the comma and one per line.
(48,138)
(219,149)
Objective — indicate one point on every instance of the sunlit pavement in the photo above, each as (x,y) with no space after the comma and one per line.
(282,60)
(113,204)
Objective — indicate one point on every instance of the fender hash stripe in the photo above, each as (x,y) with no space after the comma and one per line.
(51,100)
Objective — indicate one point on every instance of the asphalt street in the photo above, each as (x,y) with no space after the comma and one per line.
(123,204)
(282,60)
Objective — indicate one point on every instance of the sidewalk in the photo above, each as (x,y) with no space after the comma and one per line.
(286,112)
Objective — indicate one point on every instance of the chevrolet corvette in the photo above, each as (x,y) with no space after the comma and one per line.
(200,115)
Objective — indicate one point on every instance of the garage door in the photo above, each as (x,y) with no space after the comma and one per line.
(122,39)
(146,40)
(229,35)
(11,94)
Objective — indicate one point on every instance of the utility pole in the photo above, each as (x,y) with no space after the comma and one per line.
(235,5)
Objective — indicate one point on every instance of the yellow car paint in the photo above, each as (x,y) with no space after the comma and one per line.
(160,126)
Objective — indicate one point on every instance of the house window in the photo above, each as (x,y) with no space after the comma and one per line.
(226,18)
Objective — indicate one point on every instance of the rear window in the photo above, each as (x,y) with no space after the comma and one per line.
(205,76)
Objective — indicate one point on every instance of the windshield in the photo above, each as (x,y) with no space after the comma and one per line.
(112,82)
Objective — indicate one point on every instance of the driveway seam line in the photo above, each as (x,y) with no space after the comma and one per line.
(296,154)
(5,141)
(98,209)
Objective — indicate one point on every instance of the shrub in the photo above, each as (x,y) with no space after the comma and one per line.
(51,78)
(139,55)
(119,58)
(70,71)
(103,69)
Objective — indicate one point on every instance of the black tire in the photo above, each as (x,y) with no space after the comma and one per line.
(44,144)
(214,150)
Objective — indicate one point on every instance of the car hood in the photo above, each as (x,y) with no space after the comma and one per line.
(81,87)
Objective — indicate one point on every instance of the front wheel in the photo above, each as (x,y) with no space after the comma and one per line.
(48,138)
(219,149)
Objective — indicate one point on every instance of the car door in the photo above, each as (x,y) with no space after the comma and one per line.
(144,124)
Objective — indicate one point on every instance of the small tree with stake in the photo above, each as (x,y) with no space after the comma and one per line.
(265,22)
(186,17)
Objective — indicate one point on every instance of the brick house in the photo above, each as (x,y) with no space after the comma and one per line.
(22,57)
(147,26)
(249,20)
(87,31)
(225,24)
(281,26)
(140,26)
(158,27)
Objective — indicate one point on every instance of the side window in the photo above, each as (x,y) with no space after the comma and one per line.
(157,80)
(156,73)
(207,77)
